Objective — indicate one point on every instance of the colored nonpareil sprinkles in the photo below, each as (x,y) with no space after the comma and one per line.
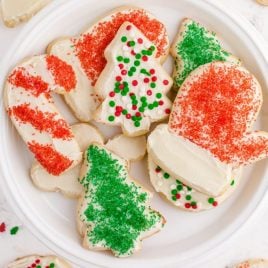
(116,207)
(14,230)
(197,46)
(38,264)
(137,87)
(90,46)
(2,227)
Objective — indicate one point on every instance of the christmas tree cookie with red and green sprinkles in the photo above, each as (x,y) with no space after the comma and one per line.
(194,46)
(183,196)
(114,212)
(133,84)
(35,261)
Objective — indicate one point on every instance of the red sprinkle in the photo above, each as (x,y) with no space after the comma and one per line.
(138,114)
(133,52)
(90,47)
(62,72)
(119,108)
(149,92)
(121,65)
(34,84)
(37,261)
(187,205)
(121,86)
(134,107)
(129,27)
(146,80)
(134,83)
(124,72)
(140,41)
(160,102)
(215,203)
(2,227)
(117,113)
(144,58)
(167,111)
(165,82)
(152,71)
(128,116)
(154,78)
(54,162)
(118,78)
(112,94)
(178,196)
(42,121)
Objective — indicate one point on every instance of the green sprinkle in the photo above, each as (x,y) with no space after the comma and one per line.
(133,118)
(52,265)
(150,106)
(194,203)
(232,183)
(111,118)
(126,60)
(189,188)
(14,230)
(179,187)
(144,52)
(124,92)
(133,97)
(158,95)
(116,209)
(143,99)
(134,102)
(143,71)
(38,266)
(137,124)
(133,69)
(211,200)
(124,39)
(174,192)
(152,48)
(152,85)
(188,197)
(141,109)
(155,103)
(116,90)
(144,104)
(132,43)
(138,56)
(174,198)
(166,175)
(120,58)
(130,73)
(179,182)
(112,103)
(137,63)
(124,112)
(149,53)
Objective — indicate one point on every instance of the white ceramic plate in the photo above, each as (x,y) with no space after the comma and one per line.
(186,236)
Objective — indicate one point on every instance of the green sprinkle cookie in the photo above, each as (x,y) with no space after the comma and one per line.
(114,213)
(195,46)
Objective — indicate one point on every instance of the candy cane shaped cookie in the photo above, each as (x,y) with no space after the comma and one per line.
(86,53)
(210,128)
(32,111)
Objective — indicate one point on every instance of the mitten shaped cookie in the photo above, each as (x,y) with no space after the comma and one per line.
(133,83)
(86,53)
(114,212)
(193,47)
(209,131)
(39,262)
(32,111)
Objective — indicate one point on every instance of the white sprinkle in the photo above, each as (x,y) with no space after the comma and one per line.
(159,183)
(172,186)
(125,48)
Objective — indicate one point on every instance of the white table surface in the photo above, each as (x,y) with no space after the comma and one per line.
(251,241)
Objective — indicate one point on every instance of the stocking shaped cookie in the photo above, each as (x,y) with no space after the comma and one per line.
(209,131)
(114,213)
(86,53)
(133,83)
(193,47)
(32,111)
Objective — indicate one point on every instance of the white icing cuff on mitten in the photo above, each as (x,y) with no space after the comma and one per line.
(194,165)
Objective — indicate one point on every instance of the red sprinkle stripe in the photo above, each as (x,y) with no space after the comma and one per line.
(54,162)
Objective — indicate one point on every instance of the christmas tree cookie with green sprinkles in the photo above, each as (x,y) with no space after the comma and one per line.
(114,212)
(133,84)
(195,46)
(35,261)
(183,196)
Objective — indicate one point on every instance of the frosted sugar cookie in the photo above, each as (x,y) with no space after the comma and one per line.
(16,11)
(255,263)
(32,111)
(67,183)
(183,196)
(133,83)
(210,128)
(86,53)
(114,212)
(39,262)
(194,46)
